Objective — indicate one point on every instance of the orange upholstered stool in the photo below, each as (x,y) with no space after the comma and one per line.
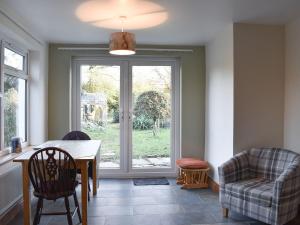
(193,173)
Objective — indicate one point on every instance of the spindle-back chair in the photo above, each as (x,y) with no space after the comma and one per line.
(52,172)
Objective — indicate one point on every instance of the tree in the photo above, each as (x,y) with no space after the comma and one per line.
(11,99)
(113,107)
(152,105)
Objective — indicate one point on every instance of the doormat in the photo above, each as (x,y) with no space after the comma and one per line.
(150,181)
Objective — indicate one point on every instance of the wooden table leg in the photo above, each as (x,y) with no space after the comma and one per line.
(95,176)
(84,190)
(26,194)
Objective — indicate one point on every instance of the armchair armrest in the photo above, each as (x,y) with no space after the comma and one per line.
(287,193)
(237,168)
(287,185)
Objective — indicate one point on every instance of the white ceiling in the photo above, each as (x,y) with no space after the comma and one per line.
(190,22)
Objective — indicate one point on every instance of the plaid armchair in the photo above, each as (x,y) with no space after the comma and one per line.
(263,184)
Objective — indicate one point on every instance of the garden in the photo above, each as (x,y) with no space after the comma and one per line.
(151,133)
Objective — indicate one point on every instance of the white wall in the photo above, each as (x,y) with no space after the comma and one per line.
(244,91)
(292,86)
(219,100)
(13,32)
(258,86)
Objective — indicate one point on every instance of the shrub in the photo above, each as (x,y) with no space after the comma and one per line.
(142,123)
(115,116)
(152,105)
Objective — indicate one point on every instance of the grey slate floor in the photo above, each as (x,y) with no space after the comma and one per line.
(119,202)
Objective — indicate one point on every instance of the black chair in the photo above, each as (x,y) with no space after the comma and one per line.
(51,172)
(79,135)
(76,135)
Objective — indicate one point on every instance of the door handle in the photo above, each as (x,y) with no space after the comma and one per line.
(129,115)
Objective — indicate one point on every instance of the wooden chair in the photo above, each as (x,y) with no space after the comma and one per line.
(79,135)
(76,135)
(51,172)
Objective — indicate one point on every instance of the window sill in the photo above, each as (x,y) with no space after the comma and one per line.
(10,156)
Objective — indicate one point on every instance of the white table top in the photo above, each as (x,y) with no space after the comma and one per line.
(79,150)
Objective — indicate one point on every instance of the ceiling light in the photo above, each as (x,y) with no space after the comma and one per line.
(122,43)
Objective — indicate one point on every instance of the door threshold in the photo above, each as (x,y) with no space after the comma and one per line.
(138,175)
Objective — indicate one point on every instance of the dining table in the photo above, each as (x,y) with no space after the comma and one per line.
(83,152)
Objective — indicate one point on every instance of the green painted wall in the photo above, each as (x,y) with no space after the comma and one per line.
(192,84)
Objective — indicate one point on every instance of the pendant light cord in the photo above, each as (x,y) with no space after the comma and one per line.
(122,18)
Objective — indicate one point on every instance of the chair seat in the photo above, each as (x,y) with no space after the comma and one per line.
(191,163)
(258,191)
(68,190)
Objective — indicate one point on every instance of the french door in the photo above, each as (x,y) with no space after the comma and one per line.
(133,107)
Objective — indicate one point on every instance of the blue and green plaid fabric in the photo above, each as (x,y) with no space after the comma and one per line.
(263,184)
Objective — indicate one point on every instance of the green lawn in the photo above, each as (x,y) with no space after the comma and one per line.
(144,143)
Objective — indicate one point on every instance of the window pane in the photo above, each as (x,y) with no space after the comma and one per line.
(100,100)
(151,125)
(13,59)
(14,109)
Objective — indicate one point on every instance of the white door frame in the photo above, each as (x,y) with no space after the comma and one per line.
(75,103)
(126,64)
(175,127)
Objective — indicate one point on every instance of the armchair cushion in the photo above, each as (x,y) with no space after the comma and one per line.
(258,191)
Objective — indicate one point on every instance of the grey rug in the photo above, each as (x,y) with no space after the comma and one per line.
(150,181)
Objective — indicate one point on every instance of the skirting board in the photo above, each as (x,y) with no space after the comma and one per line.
(214,186)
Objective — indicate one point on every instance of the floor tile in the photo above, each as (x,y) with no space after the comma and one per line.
(133,220)
(119,202)
(122,201)
(110,210)
(187,219)
(95,220)
(157,209)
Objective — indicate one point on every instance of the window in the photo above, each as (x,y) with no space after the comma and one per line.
(13,59)
(13,95)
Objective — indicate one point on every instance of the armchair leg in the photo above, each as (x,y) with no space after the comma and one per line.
(225,212)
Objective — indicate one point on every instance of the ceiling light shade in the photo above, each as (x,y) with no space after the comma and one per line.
(122,43)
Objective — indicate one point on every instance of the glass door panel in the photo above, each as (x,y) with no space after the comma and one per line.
(99,106)
(151,116)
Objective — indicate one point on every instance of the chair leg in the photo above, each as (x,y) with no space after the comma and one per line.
(89,187)
(68,211)
(41,209)
(78,207)
(225,212)
(37,215)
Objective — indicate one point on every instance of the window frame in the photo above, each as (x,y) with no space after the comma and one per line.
(20,74)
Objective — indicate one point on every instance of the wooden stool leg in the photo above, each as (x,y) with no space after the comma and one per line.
(225,212)
(179,179)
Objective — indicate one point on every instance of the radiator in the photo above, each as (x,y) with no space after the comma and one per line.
(10,185)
